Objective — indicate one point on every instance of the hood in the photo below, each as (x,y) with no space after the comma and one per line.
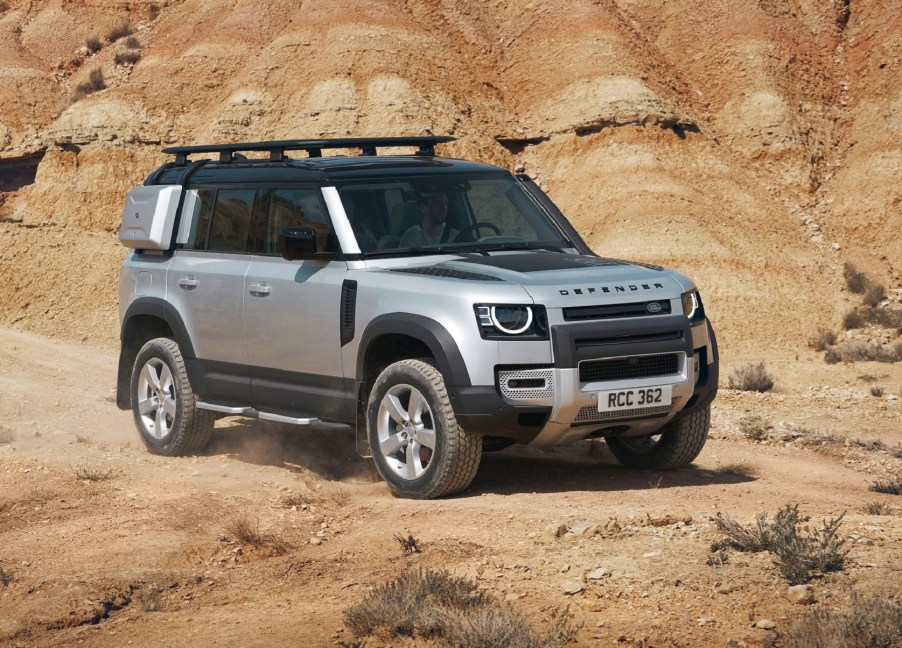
(570,279)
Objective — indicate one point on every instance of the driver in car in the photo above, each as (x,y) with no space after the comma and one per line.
(431,230)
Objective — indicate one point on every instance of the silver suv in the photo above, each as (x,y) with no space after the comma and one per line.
(440,307)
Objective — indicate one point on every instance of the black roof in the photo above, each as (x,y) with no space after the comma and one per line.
(232,166)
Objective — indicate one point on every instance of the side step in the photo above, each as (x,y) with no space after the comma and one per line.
(252,413)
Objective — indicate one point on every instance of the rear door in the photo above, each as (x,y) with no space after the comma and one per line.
(292,314)
(205,283)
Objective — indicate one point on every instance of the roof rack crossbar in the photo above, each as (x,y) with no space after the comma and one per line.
(425,145)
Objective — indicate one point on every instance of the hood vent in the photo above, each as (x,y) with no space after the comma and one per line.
(450,273)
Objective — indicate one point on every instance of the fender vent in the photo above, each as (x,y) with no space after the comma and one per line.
(347,311)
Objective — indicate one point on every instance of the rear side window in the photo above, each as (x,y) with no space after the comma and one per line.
(297,208)
(231,223)
(200,219)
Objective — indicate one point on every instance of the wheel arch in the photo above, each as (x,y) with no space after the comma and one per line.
(400,336)
(145,320)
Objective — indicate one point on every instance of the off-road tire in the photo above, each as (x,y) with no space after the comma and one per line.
(453,460)
(175,427)
(678,443)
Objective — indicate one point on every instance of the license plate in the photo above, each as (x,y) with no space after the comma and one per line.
(627,399)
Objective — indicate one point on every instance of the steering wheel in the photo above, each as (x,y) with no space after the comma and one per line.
(475,227)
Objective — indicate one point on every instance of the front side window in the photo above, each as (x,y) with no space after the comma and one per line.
(297,208)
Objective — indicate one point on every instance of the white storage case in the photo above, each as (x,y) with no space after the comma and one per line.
(149,216)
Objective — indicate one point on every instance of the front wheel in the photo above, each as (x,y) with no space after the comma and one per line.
(674,446)
(419,449)
(163,402)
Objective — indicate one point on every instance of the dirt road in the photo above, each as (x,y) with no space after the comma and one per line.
(104,544)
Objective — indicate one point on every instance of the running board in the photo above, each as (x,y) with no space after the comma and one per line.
(251,412)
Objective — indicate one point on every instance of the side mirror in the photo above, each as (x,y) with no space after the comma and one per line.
(300,243)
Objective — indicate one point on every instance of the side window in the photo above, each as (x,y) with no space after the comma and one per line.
(200,220)
(231,220)
(297,208)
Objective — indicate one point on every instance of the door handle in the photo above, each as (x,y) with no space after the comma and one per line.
(259,289)
(188,283)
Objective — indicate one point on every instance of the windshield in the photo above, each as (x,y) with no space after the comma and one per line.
(451,212)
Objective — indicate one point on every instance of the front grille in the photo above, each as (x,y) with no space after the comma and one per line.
(613,311)
(665,364)
(590,413)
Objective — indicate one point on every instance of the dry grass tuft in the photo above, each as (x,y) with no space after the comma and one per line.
(755,427)
(120,30)
(243,530)
(739,468)
(92,472)
(751,377)
(127,58)
(869,623)
(437,605)
(799,557)
(94,84)
(856,281)
(93,44)
(877,508)
(409,545)
(822,339)
(5,577)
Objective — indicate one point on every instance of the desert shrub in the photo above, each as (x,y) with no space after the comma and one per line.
(853,320)
(859,351)
(153,11)
(885,317)
(6,436)
(94,83)
(127,58)
(132,43)
(3,7)
(856,281)
(117,32)
(822,339)
(799,557)
(751,377)
(754,427)
(876,391)
(869,623)
(874,295)
(93,44)
(247,532)
(5,577)
(890,487)
(436,604)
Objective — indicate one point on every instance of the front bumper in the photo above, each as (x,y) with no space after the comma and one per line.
(549,405)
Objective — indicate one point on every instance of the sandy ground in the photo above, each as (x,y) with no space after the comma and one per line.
(104,544)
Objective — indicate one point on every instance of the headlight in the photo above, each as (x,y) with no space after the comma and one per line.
(512,320)
(692,306)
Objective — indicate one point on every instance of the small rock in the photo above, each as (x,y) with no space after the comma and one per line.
(765,624)
(801,595)
(651,554)
(597,574)
(725,588)
(555,530)
(572,587)
(316,540)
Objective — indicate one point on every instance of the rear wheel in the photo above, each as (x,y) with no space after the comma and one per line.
(163,402)
(674,446)
(417,445)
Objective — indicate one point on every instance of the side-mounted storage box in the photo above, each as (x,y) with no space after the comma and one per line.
(149,217)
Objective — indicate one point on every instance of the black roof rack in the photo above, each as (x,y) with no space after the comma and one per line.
(314,147)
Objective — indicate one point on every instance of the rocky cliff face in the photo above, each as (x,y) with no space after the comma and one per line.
(756,146)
